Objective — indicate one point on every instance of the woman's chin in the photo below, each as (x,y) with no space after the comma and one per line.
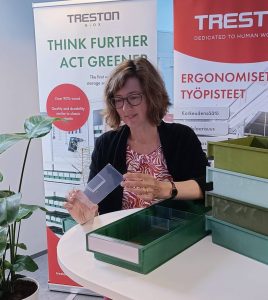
(130,122)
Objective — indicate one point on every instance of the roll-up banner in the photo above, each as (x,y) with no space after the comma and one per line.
(221,67)
(78,43)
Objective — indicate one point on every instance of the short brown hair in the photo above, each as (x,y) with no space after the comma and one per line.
(152,84)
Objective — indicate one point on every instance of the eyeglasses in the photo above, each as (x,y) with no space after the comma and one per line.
(132,99)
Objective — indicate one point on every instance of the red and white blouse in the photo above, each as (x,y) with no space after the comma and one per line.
(153,164)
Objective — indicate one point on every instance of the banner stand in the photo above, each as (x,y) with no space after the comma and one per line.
(71,289)
(76,51)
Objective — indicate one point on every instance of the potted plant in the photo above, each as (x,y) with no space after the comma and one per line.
(12,213)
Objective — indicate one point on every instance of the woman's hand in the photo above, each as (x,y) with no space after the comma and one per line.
(80,207)
(146,186)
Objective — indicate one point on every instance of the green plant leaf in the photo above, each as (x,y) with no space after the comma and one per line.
(22,246)
(1,177)
(3,212)
(6,193)
(19,245)
(3,239)
(8,140)
(26,210)
(13,205)
(24,262)
(7,265)
(38,126)
(9,207)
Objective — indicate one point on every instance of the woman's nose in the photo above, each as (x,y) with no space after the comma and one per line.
(126,105)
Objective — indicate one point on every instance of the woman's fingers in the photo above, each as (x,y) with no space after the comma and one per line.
(67,205)
(139,190)
(140,184)
(71,195)
(143,185)
(80,207)
(136,176)
(137,180)
(78,195)
(82,197)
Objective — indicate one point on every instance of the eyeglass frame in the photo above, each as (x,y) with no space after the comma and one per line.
(125,99)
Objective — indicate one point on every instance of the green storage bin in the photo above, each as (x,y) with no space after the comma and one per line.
(242,214)
(238,239)
(146,239)
(247,155)
(68,223)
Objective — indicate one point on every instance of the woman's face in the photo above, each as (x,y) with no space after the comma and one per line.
(133,116)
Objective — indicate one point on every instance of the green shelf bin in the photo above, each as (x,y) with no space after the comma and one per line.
(148,238)
(239,213)
(238,239)
(248,155)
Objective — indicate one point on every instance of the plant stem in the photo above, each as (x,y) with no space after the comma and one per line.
(12,255)
(3,277)
(24,162)
(21,178)
(18,235)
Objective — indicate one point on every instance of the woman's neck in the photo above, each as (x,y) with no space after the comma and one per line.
(144,141)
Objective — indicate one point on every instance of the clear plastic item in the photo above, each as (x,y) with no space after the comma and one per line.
(103,184)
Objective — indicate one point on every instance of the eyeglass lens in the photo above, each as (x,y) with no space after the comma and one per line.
(133,100)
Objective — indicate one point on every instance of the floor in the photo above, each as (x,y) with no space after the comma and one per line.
(41,275)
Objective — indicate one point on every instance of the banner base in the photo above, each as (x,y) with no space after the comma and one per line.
(71,289)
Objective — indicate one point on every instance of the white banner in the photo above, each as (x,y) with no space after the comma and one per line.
(77,45)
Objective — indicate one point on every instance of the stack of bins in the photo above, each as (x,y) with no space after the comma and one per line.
(239,200)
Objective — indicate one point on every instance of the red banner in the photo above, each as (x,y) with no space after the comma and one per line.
(223,31)
(220,67)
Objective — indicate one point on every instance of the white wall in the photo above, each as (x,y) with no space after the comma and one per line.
(19,100)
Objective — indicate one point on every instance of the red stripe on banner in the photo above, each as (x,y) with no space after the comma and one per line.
(222,31)
(55,273)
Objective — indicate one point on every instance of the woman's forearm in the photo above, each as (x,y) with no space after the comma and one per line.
(187,190)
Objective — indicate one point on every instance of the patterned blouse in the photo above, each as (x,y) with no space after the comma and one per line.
(153,164)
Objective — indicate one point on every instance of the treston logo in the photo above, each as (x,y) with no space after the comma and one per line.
(94,17)
(231,20)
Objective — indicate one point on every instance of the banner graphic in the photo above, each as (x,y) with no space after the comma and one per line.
(77,45)
(221,67)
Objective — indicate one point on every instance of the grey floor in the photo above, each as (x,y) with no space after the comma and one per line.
(41,275)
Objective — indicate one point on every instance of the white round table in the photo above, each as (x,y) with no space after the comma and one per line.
(202,272)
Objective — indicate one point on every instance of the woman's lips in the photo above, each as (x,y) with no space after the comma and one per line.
(130,117)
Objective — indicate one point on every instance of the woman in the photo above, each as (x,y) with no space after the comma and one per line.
(158,160)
